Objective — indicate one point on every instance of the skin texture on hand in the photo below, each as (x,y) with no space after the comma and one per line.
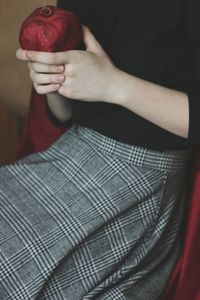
(60,106)
(85,75)
(91,76)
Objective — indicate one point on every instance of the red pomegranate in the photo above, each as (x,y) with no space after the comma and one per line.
(50,29)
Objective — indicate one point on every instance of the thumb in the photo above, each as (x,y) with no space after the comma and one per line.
(90,41)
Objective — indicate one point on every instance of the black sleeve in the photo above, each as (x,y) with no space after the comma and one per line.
(62,3)
(193,36)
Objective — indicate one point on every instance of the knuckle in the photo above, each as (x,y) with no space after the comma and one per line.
(71,70)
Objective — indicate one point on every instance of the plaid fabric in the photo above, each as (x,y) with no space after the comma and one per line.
(90,218)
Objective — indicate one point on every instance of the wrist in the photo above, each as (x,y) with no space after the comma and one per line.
(120,87)
(59,106)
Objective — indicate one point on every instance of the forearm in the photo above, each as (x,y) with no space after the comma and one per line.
(167,108)
(60,106)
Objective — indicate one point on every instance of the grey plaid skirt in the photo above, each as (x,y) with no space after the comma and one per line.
(90,218)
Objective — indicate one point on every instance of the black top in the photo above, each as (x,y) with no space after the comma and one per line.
(158,41)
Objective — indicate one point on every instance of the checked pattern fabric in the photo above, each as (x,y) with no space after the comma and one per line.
(90,218)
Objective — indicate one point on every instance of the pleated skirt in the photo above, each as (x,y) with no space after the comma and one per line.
(90,218)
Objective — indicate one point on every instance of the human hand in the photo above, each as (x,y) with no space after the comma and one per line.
(85,75)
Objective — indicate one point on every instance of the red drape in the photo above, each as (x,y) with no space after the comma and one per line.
(185,280)
(39,132)
(184,284)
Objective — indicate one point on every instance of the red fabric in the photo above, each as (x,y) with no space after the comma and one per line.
(184,284)
(185,280)
(39,132)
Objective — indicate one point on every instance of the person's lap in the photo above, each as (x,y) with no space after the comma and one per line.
(77,223)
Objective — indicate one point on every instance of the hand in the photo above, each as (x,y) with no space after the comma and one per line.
(85,75)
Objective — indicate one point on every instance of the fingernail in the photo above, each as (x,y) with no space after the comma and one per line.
(60,78)
(28,55)
(60,68)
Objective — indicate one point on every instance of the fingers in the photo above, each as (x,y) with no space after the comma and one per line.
(46,78)
(21,54)
(44,57)
(44,68)
(90,41)
(40,78)
(46,89)
(48,58)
